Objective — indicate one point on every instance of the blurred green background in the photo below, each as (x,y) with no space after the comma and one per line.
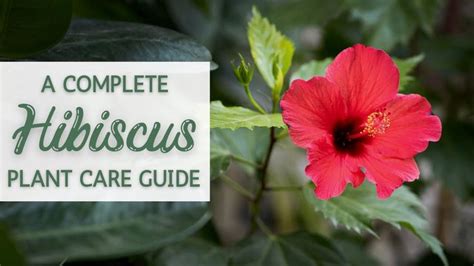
(441,30)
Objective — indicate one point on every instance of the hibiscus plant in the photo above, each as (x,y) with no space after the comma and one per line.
(355,125)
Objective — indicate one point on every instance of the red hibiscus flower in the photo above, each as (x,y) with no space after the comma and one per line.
(354,125)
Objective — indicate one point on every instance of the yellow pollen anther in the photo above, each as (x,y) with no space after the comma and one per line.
(376,124)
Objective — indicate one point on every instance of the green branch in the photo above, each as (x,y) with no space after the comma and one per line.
(237,187)
(253,101)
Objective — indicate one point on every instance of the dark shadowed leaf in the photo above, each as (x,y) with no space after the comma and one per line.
(391,22)
(452,158)
(48,233)
(426,13)
(106,10)
(27,27)
(297,249)
(93,40)
(293,13)
(355,249)
(10,255)
(192,251)
(200,19)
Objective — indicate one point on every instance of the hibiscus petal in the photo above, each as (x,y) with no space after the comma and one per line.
(367,76)
(310,109)
(412,126)
(330,170)
(389,173)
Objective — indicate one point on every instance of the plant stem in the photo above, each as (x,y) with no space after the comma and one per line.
(275,106)
(245,161)
(262,174)
(283,134)
(253,101)
(237,187)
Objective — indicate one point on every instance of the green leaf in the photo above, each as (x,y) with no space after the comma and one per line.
(191,251)
(220,158)
(247,147)
(405,66)
(355,249)
(201,19)
(90,40)
(357,208)
(239,117)
(106,10)
(270,50)
(27,27)
(48,233)
(426,13)
(10,255)
(311,69)
(297,13)
(387,23)
(296,249)
(428,239)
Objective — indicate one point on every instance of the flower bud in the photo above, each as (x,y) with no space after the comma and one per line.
(243,72)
